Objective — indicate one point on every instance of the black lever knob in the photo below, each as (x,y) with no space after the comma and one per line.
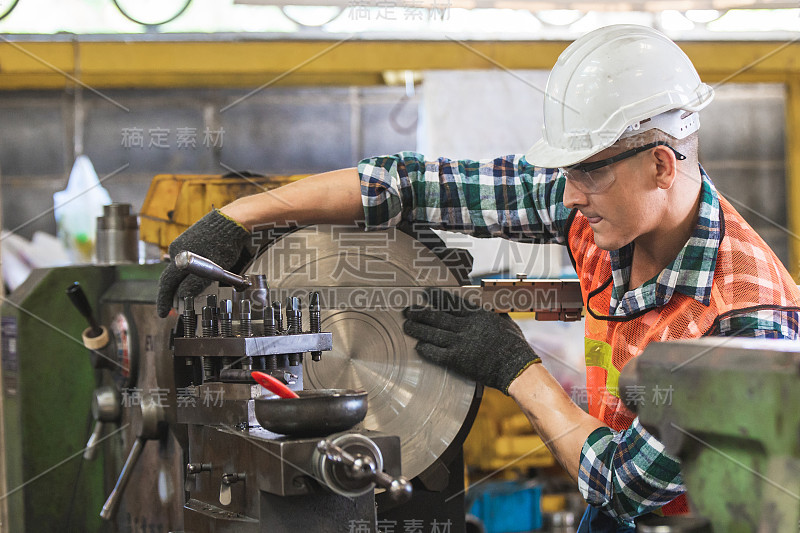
(81,303)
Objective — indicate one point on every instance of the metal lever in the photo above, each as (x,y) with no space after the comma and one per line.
(205,268)
(81,303)
(151,422)
(363,467)
(106,408)
(112,503)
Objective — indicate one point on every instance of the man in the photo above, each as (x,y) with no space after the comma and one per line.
(659,253)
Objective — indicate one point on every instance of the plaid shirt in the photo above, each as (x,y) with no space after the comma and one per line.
(626,473)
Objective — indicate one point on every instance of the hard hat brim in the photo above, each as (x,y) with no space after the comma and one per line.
(543,155)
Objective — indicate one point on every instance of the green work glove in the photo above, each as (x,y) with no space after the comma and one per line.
(216,237)
(484,346)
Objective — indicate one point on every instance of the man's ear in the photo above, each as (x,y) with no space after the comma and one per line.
(666,167)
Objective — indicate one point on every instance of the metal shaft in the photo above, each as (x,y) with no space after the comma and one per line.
(207,326)
(114,499)
(211,301)
(278,313)
(314,315)
(226,326)
(245,327)
(270,324)
(226,318)
(207,322)
(294,325)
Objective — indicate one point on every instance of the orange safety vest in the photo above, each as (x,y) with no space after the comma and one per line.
(748,277)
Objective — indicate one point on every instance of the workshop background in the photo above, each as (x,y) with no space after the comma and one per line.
(290,87)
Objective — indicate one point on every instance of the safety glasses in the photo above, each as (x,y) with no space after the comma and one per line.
(596,176)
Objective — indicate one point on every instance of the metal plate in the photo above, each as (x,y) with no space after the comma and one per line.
(422,403)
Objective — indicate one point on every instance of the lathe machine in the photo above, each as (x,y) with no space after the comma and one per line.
(181,438)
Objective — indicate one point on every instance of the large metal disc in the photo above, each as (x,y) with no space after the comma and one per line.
(422,403)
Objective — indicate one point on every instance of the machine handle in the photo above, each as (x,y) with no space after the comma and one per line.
(112,504)
(91,447)
(81,303)
(106,409)
(206,268)
(151,428)
(363,467)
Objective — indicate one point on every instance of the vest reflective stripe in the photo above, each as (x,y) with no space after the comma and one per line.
(598,355)
(747,275)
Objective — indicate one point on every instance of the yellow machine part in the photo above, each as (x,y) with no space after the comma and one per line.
(176,201)
(502,438)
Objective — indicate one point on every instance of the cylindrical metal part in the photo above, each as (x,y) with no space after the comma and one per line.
(294,315)
(278,312)
(314,316)
(117,235)
(189,317)
(270,324)
(211,301)
(208,368)
(245,327)
(257,321)
(195,468)
(258,294)
(207,322)
(226,318)
(271,362)
(294,325)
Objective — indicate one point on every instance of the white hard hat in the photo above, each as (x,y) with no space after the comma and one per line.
(612,80)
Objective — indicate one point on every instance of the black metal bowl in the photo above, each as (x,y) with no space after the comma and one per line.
(315,413)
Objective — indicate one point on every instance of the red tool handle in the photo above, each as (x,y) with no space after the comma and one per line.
(273,385)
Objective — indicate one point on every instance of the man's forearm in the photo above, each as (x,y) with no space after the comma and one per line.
(562,425)
(329,198)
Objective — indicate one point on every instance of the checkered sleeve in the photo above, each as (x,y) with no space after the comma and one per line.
(501,197)
(760,323)
(627,473)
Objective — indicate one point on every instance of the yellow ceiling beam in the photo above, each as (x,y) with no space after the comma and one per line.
(140,64)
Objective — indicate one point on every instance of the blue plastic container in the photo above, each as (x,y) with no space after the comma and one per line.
(508,506)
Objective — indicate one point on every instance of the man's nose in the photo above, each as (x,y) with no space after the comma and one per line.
(573,197)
